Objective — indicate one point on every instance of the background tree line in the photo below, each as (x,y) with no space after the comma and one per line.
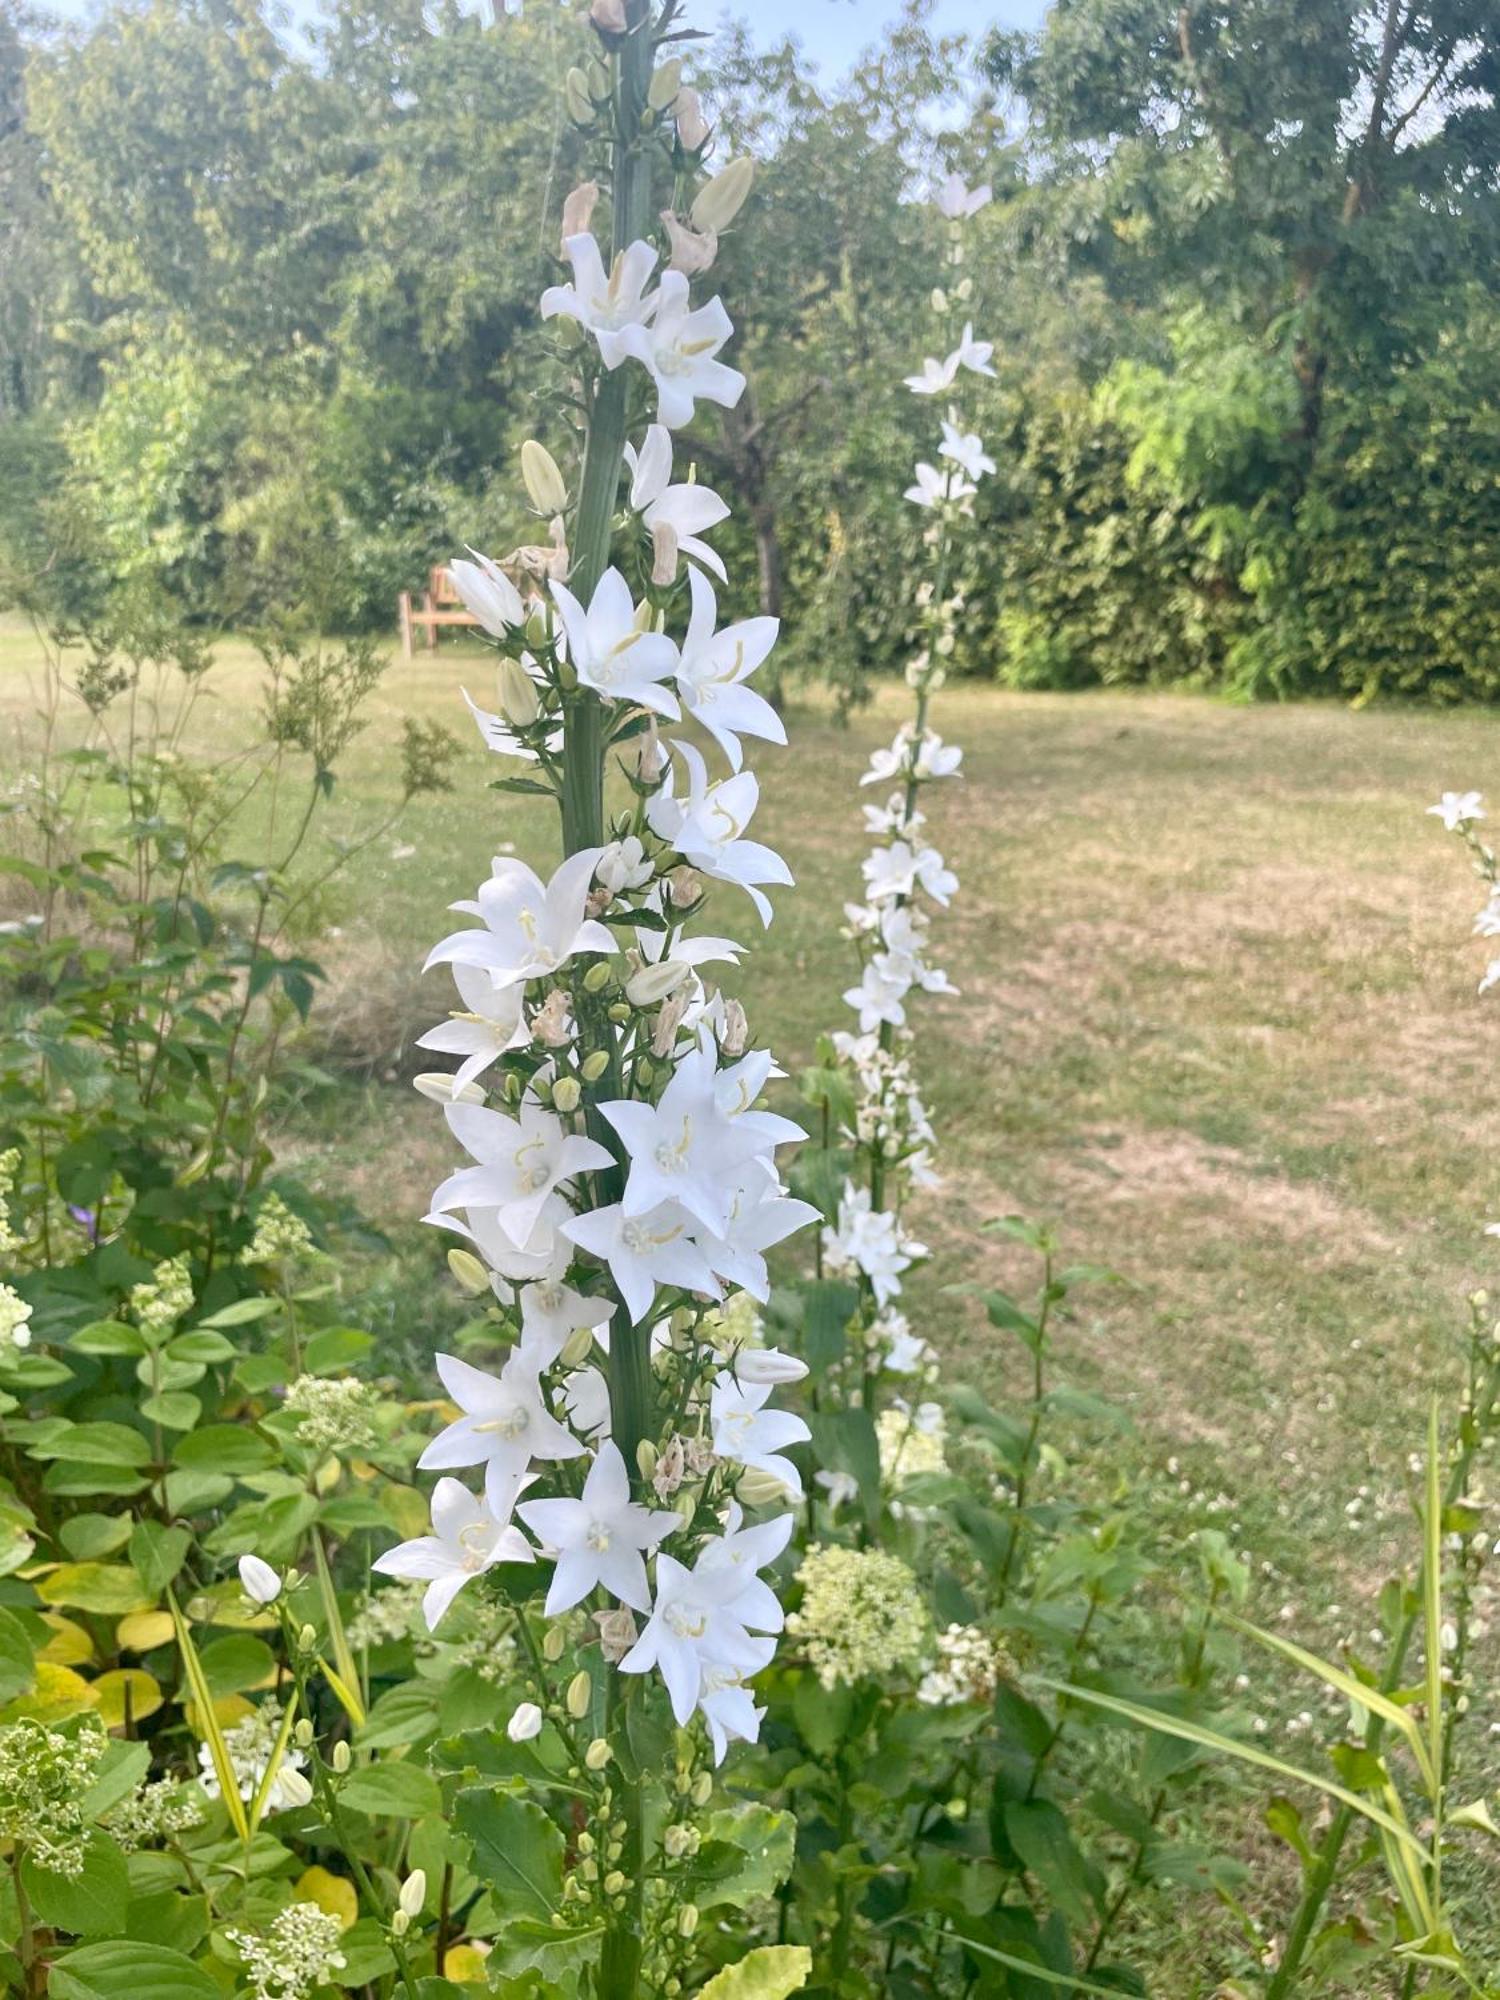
(265,343)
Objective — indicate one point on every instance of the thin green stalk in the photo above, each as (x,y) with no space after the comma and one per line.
(1321,1876)
(583,825)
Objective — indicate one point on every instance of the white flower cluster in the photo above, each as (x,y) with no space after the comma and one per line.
(904,873)
(299,1953)
(625,1182)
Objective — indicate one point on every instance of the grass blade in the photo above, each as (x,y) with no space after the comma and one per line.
(203,1701)
(344,1682)
(1071,1982)
(1432,1604)
(1347,1684)
(1225,1746)
(273,1765)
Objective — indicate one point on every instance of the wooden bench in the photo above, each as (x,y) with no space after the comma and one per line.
(441,605)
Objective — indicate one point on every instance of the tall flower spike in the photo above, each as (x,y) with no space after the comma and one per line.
(624,1178)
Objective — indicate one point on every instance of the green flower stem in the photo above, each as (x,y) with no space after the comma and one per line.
(582,799)
(1321,1876)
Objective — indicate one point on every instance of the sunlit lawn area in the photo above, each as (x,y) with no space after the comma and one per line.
(1218,1021)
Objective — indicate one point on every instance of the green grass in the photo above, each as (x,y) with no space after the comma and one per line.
(1218,1023)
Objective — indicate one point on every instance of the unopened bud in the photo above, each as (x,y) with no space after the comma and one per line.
(614,1882)
(567,1093)
(302,1735)
(619,1013)
(702,1791)
(580,1694)
(414,1892)
(760,1489)
(553,1643)
(580,104)
(468,1272)
(520,703)
(525,1723)
(692,130)
(342,1757)
(307,1639)
(725,195)
(655,982)
(595,1064)
(687,1920)
(598,1753)
(577,1348)
(400,1923)
(598,976)
(442,1088)
(646,1457)
(665,85)
(665,547)
(544,483)
(939,299)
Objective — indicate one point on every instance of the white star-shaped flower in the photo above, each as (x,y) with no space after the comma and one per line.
(966,449)
(956,201)
(706,825)
(466,1540)
(504,1426)
(1459,809)
(600,1539)
(490,1023)
(530,929)
(521,1160)
(611,304)
(713,667)
(747,1433)
(678,350)
(644,1251)
(686,511)
(611,653)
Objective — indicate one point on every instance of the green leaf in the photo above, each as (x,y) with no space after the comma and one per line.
(96,1444)
(770,1973)
(746,1854)
(517,1851)
(228,1448)
(336,1347)
(241,1312)
(108,1588)
(391,1791)
(122,1969)
(827,1310)
(17,1660)
(91,1903)
(1039,1833)
(158,1553)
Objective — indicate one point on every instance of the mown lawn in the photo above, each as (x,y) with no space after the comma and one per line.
(1218,1022)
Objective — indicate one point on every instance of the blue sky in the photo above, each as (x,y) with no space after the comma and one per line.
(832,31)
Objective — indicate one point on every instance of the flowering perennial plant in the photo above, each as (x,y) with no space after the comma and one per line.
(622,1475)
(904,873)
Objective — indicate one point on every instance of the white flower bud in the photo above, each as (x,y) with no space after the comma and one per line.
(259,1581)
(293,1787)
(400,1923)
(598,1754)
(762,1365)
(577,1348)
(665,84)
(655,982)
(580,1694)
(939,299)
(342,1757)
(439,1086)
(544,482)
(725,195)
(598,976)
(760,1489)
(554,1644)
(692,131)
(519,701)
(414,1892)
(567,1093)
(525,1723)
(649,763)
(664,553)
(595,1064)
(468,1272)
